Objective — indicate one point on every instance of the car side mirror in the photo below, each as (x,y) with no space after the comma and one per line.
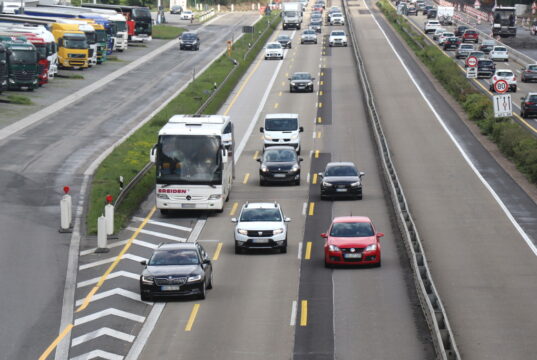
(379,235)
(258,160)
(289,79)
(301,129)
(287,219)
(324,236)
(300,159)
(362,173)
(143,262)
(153,154)
(207,261)
(261,129)
(234,220)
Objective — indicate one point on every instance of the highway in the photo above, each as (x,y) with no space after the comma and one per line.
(38,161)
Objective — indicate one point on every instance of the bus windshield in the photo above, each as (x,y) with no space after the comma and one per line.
(141,14)
(189,159)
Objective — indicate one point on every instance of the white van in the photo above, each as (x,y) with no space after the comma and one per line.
(282,129)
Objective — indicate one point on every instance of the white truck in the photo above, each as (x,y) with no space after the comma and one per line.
(445,15)
(292,15)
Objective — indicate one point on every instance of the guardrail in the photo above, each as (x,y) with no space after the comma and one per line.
(206,15)
(433,309)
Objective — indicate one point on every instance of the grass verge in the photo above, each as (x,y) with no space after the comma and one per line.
(131,156)
(511,138)
(167,32)
(19,100)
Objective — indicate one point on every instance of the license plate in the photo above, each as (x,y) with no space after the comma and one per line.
(279,175)
(353,256)
(188,206)
(260,241)
(170,287)
(341,190)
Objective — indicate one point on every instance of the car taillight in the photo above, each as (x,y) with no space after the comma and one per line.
(494,78)
(529,103)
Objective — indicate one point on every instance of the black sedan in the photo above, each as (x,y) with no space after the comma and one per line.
(285,41)
(485,68)
(528,107)
(176,9)
(341,179)
(190,41)
(301,81)
(279,164)
(180,269)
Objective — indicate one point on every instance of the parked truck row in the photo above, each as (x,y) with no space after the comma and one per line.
(34,45)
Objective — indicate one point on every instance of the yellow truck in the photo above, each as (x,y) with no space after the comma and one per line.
(72,46)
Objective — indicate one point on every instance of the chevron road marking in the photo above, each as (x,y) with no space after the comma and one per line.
(111,245)
(157,234)
(111,276)
(98,354)
(101,332)
(108,312)
(117,291)
(109,260)
(164,224)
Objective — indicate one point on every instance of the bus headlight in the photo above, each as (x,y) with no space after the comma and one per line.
(215,196)
(163,196)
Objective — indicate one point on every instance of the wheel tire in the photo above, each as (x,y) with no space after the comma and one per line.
(359,197)
(327,265)
(262,182)
(379,264)
(312,89)
(283,250)
(324,197)
(202,295)
(297,182)
(514,89)
(144,297)
(290,89)
(210,284)
(164,212)
(219,211)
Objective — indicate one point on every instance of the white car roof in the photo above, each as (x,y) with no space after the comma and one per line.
(261,205)
(281,116)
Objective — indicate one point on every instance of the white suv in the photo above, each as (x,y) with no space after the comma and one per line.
(282,129)
(431,26)
(337,38)
(260,226)
(274,50)
(337,19)
(504,74)
(499,53)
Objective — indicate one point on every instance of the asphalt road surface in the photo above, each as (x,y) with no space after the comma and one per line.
(39,161)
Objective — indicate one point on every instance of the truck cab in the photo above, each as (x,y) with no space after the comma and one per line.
(73,47)
(3,68)
(22,58)
(504,19)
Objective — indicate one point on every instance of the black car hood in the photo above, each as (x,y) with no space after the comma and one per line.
(284,42)
(301,81)
(179,270)
(341,179)
(279,166)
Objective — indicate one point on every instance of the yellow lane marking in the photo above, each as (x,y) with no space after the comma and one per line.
(234,208)
(228,109)
(314,179)
(312,208)
(217,252)
(276,106)
(322,73)
(321,82)
(319,119)
(55,343)
(192,317)
(87,300)
(324,52)
(286,75)
(318,134)
(320,93)
(256,154)
(246,177)
(307,256)
(320,105)
(316,154)
(283,83)
(304,313)
(280,93)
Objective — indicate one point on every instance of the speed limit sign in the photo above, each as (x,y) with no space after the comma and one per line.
(501,86)
(471,61)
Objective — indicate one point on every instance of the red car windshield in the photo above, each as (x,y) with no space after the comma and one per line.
(352,229)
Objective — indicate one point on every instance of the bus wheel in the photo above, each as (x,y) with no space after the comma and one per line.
(164,212)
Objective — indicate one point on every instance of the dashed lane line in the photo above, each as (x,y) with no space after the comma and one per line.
(102,332)
(192,317)
(117,291)
(110,260)
(157,234)
(163,224)
(108,312)
(111,276)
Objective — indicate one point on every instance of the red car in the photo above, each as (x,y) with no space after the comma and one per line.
(352,240)
(470,35)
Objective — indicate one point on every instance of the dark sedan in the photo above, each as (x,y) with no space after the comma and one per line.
(528,107)
(176,10)
(341,179)
(285,41)
(487,46)
(301,81)
(451,43)
(485,68)
(460,30)
(316,24)
(279,164)
(179,269)
(529,73)
(190,41)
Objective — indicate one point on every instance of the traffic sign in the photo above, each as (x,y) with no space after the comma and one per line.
(471,72)
(503,106)
(501,86)
(471,61)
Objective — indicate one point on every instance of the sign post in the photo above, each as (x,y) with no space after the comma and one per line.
(471,67)
(503,106)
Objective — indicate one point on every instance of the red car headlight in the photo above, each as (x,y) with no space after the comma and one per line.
(372,247)
(333,248)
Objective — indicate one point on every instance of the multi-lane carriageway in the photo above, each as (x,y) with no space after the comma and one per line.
(282,306)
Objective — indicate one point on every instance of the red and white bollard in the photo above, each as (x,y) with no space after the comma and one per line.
(66,214)
(109,215)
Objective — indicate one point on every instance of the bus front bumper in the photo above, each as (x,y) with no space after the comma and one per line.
(171,204)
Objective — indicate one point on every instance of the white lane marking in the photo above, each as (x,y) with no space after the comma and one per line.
(101,332)
(207,240)
(107,312)
(293,313)
(110,246)
(197,230)
(304,207)
(157,234)
(144,334)
(299,250)
(313,134)
(113,275)
(516,225)
(163,224)
(308,178)
(311,153)
(95,354)
(117,291)
(144,244)
(109,260)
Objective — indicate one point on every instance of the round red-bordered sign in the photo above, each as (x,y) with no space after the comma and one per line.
(501,86)
(471,61)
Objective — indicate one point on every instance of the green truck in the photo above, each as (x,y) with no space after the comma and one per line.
(3,68)
(22,63)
